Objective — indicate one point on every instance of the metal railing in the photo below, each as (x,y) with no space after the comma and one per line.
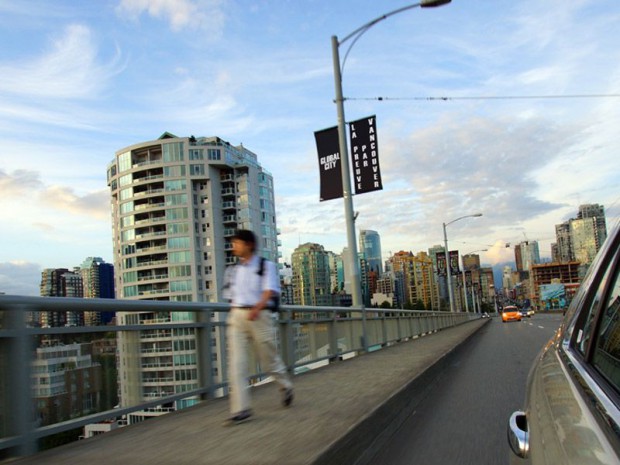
(307,336)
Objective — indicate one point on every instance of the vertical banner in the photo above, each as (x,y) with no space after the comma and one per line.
(329,163)
(441,263)
(365,155)
(454,262)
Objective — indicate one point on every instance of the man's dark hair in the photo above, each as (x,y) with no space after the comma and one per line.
(246,236)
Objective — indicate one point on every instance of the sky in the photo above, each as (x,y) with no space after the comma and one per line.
(506,108)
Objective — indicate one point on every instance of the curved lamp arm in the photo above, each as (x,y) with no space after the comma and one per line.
(362,29)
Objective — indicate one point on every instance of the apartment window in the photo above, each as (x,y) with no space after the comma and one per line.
(130,291)
(179,257)
(126,193)
(196,169)
(124,161)
(179,286)
(179,185)
(180,345)
(176,214)
(129,249)
(126,207)
(177,228)
(176,199)
(125,180)
(181,270)
(178,243)
(196,154)
(130,277)
(174,171)
(173,152)
(214,154)
(128,235)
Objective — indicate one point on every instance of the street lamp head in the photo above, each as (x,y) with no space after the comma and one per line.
(477,214)
(433,3)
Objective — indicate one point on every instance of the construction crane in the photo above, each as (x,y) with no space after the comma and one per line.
(527,241)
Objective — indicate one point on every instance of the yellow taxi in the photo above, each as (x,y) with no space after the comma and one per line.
(511,313)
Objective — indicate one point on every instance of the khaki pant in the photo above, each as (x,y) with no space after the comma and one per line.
(240,331)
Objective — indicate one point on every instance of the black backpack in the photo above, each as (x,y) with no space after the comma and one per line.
(275,300)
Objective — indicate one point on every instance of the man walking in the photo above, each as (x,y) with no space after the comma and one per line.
(252,284)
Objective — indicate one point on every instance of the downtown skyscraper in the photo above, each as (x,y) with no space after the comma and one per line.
(370,246)
(176,203)
(579,239)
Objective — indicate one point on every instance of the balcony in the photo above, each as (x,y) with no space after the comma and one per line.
(146,206)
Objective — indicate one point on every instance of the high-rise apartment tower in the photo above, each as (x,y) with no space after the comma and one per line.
(176,203)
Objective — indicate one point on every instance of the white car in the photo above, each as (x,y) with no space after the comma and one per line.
(572,405)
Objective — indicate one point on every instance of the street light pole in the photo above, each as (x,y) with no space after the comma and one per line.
(448,271)
(347,195)
(356,285)
(465,286)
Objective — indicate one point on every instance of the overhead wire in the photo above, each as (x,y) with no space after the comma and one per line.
(489,97)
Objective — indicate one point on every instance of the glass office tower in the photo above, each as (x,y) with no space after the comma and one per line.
(370,246)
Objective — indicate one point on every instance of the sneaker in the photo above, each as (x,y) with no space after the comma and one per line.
(241,417)
(287,397)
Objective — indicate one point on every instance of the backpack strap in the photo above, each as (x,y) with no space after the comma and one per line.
(261,268)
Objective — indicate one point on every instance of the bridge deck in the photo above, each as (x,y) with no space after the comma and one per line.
(339,411)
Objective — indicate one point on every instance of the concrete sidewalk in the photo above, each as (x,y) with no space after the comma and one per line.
(341,413)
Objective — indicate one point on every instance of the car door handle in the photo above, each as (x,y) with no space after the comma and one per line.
(518,434)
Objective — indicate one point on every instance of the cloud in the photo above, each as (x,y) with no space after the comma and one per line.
(207,15)
(20,278)
(95,204)
(26,185)
(19,182)
(69,70)
(460,164)
(44,227)
(500,252)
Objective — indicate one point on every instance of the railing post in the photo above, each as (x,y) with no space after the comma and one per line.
(205,338)
(287,342)
(333,338)
(20,401)
(364,329)
(384,323)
